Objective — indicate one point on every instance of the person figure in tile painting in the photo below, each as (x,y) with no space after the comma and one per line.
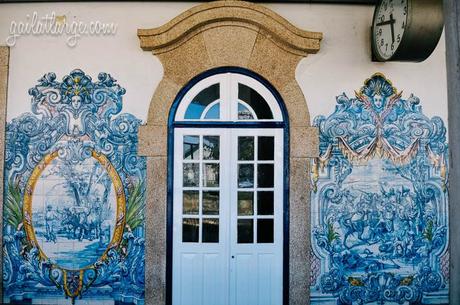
(379,102)
(94,221)
(83,214)
(76,102)
(98,219)
(50,217)
(75,123)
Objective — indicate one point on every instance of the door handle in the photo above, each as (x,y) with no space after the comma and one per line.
(233,256)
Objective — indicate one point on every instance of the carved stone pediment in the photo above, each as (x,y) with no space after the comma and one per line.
(229,13)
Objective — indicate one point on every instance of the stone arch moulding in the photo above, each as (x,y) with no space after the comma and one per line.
(228,34)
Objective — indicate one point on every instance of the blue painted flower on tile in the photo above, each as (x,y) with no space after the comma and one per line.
(379,205)
(73,216)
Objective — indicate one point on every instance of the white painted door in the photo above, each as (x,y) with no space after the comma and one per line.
(228,217)
(256,210)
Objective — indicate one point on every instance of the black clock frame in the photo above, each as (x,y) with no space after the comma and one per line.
(423,30)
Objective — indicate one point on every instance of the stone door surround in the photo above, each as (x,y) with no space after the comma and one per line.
(4,66)
(228,34)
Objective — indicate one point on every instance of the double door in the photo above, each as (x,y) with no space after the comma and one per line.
(228,217)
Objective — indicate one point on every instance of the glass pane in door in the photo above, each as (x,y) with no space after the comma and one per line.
(201,192)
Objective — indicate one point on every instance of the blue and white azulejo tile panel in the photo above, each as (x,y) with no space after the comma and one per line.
(379,202)
(74,196)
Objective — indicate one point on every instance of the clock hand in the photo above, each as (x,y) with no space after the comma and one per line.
(392,24)
(384,22)
(391,21)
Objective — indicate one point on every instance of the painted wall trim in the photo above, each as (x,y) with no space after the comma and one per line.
(4,67)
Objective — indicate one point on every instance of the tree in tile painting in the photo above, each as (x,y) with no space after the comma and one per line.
(379,205)
(74,207)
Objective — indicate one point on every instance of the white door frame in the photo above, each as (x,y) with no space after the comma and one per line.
(229,120)
(228,257)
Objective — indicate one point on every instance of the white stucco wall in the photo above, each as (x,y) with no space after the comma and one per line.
(341,66)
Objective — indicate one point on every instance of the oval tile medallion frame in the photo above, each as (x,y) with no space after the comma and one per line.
(119,220)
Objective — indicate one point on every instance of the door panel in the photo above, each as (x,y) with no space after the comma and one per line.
(265,271)
(256,224)
(190,276)
(200,254)
(245,286)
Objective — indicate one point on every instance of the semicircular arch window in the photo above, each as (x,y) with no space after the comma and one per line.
(228,97)
(201,101)
(255,102)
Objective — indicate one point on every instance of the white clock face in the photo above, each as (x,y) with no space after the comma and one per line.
(390,21)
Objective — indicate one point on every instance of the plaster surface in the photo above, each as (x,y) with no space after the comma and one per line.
(343,61)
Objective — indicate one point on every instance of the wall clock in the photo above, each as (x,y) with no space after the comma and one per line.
(406,30)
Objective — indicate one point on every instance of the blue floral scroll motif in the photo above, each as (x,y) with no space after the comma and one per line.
(75,117)
(379,202)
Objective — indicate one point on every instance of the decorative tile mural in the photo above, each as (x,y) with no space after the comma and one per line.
(73,217)
(379,204)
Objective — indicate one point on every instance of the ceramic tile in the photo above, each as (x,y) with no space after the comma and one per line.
(380,219)
(78,162)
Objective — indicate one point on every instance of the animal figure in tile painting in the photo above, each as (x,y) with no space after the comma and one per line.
(379,201)
(73,219)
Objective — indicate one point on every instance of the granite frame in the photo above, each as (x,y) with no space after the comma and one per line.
(4,68)
(228,34)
